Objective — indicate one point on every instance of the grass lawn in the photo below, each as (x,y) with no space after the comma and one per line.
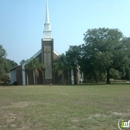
(81,107)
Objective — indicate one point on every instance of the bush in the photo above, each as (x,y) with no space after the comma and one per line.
(4,78)
(15,83)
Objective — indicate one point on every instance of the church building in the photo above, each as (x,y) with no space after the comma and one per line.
(46,55)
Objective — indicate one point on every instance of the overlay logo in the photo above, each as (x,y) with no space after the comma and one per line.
(123,124)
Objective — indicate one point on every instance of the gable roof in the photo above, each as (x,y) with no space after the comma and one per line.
(36,54)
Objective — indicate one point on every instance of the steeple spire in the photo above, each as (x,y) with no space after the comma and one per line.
(47,13)
(47,26)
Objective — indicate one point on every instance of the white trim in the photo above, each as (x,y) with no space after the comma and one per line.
(34,56)
(47,39)
(56,53)
(23,75)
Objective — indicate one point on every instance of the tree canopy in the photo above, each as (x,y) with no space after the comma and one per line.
(35,65)
(104,51)
(104,54)
(5,65)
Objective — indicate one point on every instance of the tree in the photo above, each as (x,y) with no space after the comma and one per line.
(126,68)
(115,74)
(60,65)
(2,58)
(11,64)
(104,49)
(4,77)
(3,68)
(91,64)
(2,53)
(35,66)
(5,64)
(73,59)
(23,61)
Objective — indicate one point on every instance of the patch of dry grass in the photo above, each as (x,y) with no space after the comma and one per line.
(63,107)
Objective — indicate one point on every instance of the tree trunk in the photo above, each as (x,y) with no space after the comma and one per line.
(54,81)
(91,80)
(75,77)
(63,77)
(68,77)
(34,77)
(43,77)
(72,77)
(96,80)
(108,77)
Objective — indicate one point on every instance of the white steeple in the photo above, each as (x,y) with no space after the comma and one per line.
(47,26)
(47,14)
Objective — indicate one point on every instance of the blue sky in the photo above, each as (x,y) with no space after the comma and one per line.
(22,23)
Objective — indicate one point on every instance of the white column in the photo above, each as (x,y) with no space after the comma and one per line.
(82,76)
(23,75)
(13,76)
(78,75)
(72,76)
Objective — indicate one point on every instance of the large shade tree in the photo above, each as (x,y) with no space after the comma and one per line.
(126,67)
(103,49)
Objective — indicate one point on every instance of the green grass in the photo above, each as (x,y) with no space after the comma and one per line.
(81,107)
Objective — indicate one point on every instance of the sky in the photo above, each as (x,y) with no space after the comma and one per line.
(22,23)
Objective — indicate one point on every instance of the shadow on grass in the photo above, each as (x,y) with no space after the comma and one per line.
(104,83)
(83,84)
(6,85)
